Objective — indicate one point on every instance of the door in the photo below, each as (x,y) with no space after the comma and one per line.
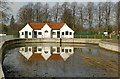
(35,34)
(58,34)
(26,34)
(46,34)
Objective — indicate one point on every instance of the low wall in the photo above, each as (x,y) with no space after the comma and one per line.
(110,46)
(67,40)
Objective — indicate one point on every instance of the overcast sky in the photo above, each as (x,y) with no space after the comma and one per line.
(61,0)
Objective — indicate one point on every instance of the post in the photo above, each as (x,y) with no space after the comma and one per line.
(60,41)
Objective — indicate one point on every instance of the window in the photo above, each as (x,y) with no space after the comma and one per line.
(53,50)
(26,49)
(39,49)
(62,33)
(22,49)
(46,31)
(39,33)
(35,49)
(66,50)
(62,50)
(46,52)
(29,33)
(22,33)
(54,33)
(66,32)
(69,50)
(58,49)
(70,33)
(29,49)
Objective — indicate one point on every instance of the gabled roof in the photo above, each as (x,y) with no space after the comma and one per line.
(54,26)
(37,26)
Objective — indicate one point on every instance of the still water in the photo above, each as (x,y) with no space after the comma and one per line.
(53,60)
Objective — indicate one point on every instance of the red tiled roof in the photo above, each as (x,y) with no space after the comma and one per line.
(37,26)
(55,57)
(36,57)
(54,26)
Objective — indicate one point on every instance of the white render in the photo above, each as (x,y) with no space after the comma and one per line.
(46,32)
(28,29)
(64,29)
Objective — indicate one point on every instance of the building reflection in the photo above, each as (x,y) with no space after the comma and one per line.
(46,53)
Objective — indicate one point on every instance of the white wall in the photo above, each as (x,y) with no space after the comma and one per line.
(39,36)
(26,28)
(48,34)
(64,29)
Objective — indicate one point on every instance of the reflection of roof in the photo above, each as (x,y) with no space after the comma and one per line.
(36,57)
(55,57)
(54,26)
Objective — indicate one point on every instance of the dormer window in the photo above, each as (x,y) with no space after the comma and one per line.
(46,31)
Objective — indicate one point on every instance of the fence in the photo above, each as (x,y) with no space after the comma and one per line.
(97,36)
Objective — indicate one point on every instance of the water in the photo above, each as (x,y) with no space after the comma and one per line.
(53,60)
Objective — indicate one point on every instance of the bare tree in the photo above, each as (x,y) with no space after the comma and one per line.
(80,15)
(108,8)
(90,12)
(46,12)
(4,11)
(55,12)
(38,12)
(26,14)
(67,14)
(99,16)
(117,8)
(74,7)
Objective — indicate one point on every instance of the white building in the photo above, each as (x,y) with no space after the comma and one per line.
(46,30)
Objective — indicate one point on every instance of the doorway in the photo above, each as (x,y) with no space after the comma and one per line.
(35,34)
(58,34)
(26,34)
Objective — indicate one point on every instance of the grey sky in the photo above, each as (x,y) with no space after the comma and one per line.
(62,0)
(15,5)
